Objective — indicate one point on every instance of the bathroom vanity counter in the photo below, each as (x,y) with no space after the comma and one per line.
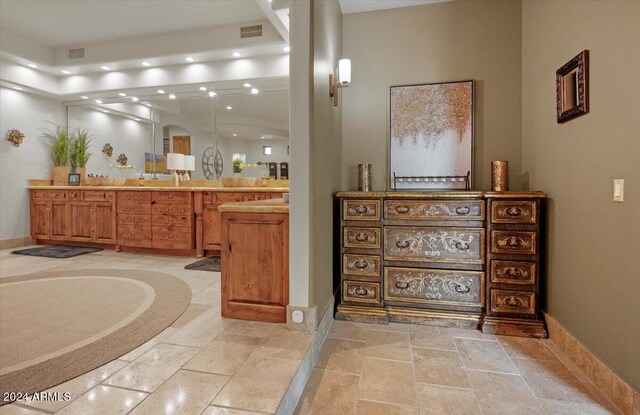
(257,206)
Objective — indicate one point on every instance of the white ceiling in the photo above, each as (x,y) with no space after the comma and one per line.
(68,23)
(269,105)
(359,6)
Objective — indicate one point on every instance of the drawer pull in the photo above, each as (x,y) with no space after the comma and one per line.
(402,285)
(360,209)
(513,302)
(462,246)
(515,242)
(463,210)
(514,211)
(402,244)
(361,264)
(462,289)
(513,272)
(402,209)
(361,237)
(361,291)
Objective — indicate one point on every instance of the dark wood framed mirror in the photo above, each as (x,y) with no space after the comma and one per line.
(572,88)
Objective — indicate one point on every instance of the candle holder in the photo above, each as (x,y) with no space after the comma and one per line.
(364,177)
(499,176)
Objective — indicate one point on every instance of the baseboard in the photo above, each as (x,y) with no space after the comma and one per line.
(296,387)
(15,242)
(616,390)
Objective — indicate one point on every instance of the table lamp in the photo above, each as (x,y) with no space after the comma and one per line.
(189,165)
(175,162)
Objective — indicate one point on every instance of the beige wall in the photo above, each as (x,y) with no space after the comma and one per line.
(326,146)
(593,272)
(450,41)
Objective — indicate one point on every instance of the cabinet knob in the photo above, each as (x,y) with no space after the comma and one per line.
(514,211)
(463,210)
(513,302)
(361,264)
(360,209)
(361,291)
(361,237)
(402,244)
(462,246)
(402,209)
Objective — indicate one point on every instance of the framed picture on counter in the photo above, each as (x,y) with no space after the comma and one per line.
(74,179)
(431,136)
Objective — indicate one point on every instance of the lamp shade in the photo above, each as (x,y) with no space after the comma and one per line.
(190,163)
(175,161)
(344,71)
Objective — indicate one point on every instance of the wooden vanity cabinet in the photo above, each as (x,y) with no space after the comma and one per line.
(49,217)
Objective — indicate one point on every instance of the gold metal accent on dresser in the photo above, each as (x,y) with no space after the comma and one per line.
(361,265)
(434,244)
(361,237)
(432,210)
(518,302)
(514,211)
(430,286)
(514,242)
(361,209)
(361,292)
(513,272)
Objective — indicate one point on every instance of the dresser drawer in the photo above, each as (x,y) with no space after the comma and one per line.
(134,235)
(513,272)
(514,242)
(177,220)
(434,210)
(361,292)
(172,209)
(434,244)
(427,286)
(138,208)
(361,265)
(48,195)
(360,209)
(368,238)
(171,197)
(514,211)
(170,237)
(513,302)
(133,219)
(96,196)
(222,197)
(135,197)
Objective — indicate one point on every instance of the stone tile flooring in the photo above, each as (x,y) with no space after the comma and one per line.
(399,369)
(202,364)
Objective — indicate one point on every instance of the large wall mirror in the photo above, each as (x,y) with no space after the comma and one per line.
(236,122)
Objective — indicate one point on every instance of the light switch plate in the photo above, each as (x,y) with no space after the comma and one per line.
(618,190)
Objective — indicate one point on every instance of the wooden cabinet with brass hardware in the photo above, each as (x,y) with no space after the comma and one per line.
(460,259)
(49,215)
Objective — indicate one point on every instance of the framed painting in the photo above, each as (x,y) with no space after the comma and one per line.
(155,163)
(431,136)
(572,88)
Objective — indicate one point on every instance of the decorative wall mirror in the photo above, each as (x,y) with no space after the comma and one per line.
(572,88)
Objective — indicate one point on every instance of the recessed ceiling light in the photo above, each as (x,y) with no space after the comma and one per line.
(236,54)
(134,99)
(287,48)
(229,107)
(247,85)
(263,137)
(254,91)
(105,68)
(64,71)
(212,94)
(84,97)
(32,65)
(145,63)
(19,88)
(188,59)
(235,135)
(98,101)
(147,104)
(160,91)
(106,111)
(137,119)
(203,88)
(122,94)
(172,96)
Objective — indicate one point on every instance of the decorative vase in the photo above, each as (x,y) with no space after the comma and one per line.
(82,171)
(239,174)
(499,176)
(60,175)
(364,177)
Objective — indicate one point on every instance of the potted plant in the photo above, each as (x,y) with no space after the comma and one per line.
(80,143)
(237,166)
(60,150)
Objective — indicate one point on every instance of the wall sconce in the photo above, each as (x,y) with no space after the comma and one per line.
(340,78)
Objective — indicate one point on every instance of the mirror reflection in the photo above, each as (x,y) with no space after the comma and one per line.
(250,131)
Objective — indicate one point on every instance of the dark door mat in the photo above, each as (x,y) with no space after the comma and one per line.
(57,251)
(210,263)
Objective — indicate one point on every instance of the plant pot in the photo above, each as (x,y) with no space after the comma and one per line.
(82,171)
(60,175)
(239,174)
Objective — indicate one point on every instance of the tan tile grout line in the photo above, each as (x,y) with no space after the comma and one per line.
(466,372)
(31,408)
(362,369)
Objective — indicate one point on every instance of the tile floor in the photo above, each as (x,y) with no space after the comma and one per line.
(202,364)
(399,369)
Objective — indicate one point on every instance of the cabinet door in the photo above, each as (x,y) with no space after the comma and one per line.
(81,220)
(103,225)
(211,228)
(40,219)
(59,220)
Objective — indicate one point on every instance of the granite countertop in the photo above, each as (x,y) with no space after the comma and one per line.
(256,206)
(165,188)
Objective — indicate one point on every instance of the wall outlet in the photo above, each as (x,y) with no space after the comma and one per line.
(618,190)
